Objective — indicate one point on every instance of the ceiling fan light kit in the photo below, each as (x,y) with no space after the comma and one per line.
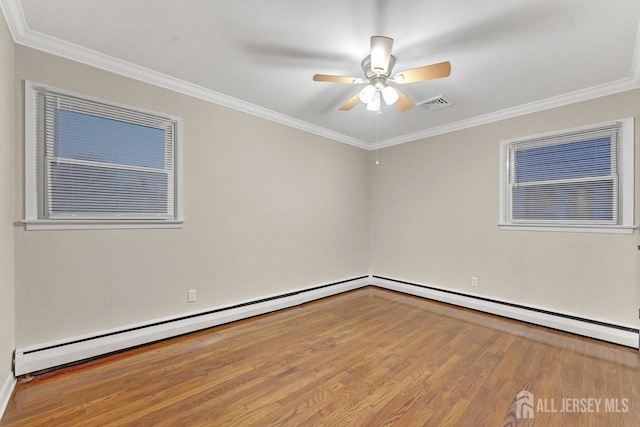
(374,105)
(390,95)
(368,93)
(377,68)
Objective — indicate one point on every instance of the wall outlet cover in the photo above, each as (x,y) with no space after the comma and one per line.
(192,295)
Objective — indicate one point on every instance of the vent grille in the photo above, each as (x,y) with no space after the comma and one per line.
(436,103)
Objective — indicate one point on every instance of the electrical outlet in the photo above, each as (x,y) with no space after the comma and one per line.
(474,282)
(192,295)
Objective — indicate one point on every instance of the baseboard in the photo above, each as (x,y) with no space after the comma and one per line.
(5,393)
(624,335)
(63,352)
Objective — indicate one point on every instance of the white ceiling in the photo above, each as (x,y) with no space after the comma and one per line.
(508,57)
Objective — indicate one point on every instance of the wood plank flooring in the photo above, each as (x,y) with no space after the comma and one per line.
(365,358)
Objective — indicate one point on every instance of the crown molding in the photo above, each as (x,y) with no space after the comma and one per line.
(22,35)
(13,14)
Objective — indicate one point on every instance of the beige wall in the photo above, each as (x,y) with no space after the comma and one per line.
(434,212)
(7,300)
(268,209)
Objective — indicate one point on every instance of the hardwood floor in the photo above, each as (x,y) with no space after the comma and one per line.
(368,357)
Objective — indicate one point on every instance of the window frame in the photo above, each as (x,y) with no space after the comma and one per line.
(34,191)
(625,192)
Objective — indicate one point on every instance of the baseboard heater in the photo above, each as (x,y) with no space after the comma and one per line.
(64,352)
(74,350)
(604,331)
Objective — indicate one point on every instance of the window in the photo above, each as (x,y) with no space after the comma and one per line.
(574,180)
(91,163)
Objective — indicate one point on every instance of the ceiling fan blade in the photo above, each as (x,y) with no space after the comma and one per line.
(403,103)
(380,54)
(351,103)
(428,72)
(336,79)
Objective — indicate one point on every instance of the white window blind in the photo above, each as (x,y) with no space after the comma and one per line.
(574,178)
(97,160)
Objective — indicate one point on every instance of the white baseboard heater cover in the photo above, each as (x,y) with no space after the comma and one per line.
(63,352)
(623,335)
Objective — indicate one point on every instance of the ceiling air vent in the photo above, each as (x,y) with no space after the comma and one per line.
(436,103)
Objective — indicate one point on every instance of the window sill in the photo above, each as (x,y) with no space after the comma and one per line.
(48,224)
(610,229)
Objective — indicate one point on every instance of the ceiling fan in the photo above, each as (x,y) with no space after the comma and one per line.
(377,69)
